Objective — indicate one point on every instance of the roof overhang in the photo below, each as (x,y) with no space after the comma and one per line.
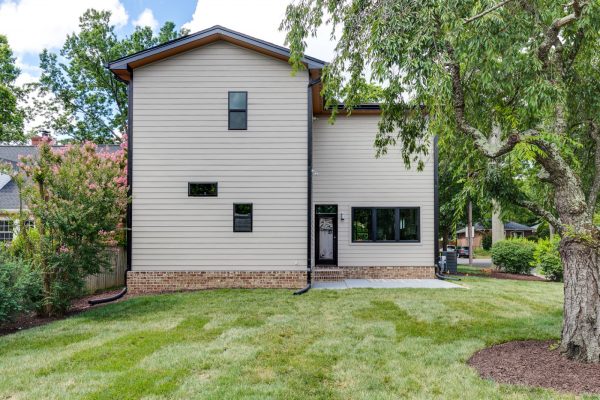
(122,67)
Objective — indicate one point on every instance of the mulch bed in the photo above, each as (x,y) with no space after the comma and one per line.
(536,363)
(492,273)
(31,320)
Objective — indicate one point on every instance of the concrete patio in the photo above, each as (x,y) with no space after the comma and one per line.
(387,284)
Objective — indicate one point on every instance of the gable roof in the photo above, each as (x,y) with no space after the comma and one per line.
(508,226)
(123,66)
(9,193)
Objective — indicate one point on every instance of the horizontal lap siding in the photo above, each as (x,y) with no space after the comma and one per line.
(348,174)
(180,135)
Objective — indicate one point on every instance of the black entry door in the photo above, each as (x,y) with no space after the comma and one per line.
(326,236)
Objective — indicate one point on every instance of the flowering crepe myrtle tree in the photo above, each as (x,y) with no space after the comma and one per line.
(519,80)
(78,197)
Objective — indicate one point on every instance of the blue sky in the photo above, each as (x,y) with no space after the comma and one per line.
(32,25)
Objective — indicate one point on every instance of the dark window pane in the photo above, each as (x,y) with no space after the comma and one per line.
(326,209)
(386,224)
(237,100)
(409,224)
(362,222)
(242,217)
(238,120)
(202,189)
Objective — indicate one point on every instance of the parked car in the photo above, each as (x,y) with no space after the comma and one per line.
(451,247)
(463,252)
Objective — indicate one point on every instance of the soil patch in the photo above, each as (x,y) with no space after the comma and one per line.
(536,363)
(31,320)
(492,273)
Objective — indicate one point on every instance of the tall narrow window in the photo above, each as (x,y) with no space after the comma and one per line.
(242,217)
(362,223)
(238,111)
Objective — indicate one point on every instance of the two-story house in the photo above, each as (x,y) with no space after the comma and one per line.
(238,179)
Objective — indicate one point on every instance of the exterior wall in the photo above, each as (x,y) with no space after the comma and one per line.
(366,272)
(180,135)
(348,174)
(462,241)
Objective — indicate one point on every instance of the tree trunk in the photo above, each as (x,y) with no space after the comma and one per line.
(470,231)
(581,321)
(445,237)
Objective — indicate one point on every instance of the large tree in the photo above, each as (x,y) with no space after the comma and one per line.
(519,79)
(86,101)
(12,115)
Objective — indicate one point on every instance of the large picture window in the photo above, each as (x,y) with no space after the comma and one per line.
(238,111)
(386,224)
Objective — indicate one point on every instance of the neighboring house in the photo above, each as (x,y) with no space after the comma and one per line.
(9,192)
(239,180)
(511,230)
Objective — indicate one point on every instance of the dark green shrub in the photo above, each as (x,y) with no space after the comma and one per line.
(486,241)
(20,288)
(547,259)
(513,255)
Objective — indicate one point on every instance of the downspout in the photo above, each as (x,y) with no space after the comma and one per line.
(309,174)
(129,191)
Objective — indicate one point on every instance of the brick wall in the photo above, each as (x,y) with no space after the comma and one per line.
(171,281)
(335,273)
(139,282)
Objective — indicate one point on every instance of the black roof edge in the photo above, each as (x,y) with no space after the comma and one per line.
(313,63)
(365,106)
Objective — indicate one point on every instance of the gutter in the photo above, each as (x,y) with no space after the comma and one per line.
(309,174)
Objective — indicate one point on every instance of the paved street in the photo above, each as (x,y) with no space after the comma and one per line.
(477,262)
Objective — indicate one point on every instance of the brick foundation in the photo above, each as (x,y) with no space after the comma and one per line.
(335,273)
(139,282)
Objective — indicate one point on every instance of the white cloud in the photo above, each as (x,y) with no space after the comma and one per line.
(32,25)
(146,18)
(258,18)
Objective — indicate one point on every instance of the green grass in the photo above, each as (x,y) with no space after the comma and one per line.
(480,252)
(268,344)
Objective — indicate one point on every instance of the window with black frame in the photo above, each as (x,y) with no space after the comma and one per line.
(242,217)
(238,111)
(386,224)
(203,189)
(6,230)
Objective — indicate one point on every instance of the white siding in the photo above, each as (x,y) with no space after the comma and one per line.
(348,174)
(180,135)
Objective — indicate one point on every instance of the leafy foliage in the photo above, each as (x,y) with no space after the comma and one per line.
(547,259)
(88,101)
(513,255)
(12,115)
(486,241)
(78,196)
(19,287)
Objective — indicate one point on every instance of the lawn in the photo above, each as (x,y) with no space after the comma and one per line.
(268,344)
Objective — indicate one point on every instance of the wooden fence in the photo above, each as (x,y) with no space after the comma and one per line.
(112,278)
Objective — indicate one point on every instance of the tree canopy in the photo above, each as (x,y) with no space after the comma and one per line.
(12,115)
(519,80)
(87,102)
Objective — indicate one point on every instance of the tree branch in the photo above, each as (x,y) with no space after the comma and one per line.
(490,148)
(489,10)
(539,211)
(551,35)
(595,188)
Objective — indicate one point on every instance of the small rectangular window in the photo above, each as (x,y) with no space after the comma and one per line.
(242,217)
(202,189)
(6,230)
(238,111)
(362,223)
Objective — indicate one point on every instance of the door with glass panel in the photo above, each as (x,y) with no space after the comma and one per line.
(326,234)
